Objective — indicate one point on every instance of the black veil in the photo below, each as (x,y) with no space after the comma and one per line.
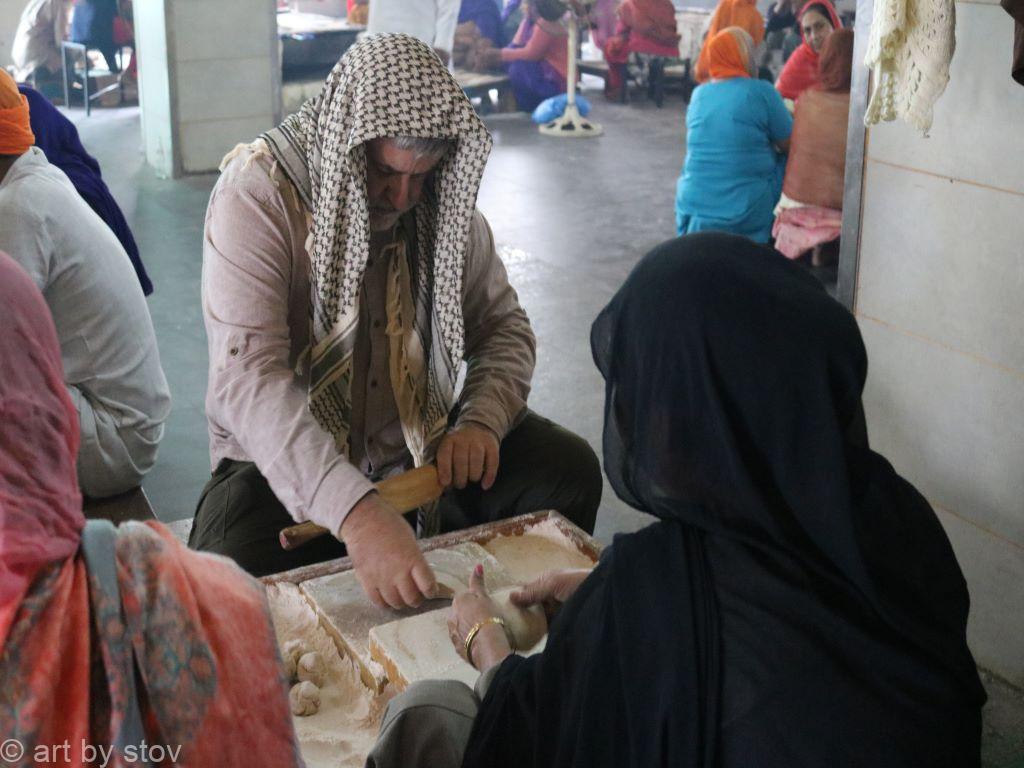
(799,602)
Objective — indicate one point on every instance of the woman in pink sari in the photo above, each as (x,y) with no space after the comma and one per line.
(111,639)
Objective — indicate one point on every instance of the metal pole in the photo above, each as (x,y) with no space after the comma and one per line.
(574,44)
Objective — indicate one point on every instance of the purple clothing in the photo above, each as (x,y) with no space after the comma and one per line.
(58,138)
(534,81)
(487,17)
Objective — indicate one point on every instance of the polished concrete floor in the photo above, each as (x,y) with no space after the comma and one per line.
(571,218)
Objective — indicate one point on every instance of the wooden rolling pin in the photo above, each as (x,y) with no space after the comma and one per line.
(404,492)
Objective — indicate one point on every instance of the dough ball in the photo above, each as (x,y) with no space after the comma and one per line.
(304,699)
(311,668)
(526,625)
(291,652)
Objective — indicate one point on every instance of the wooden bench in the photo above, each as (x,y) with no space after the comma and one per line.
(131,505)
(659,75)
(480,84)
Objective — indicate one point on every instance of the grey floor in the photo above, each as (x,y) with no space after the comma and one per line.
(571,216)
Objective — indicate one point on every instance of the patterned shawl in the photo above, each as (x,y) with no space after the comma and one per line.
(197,626)
(385,86)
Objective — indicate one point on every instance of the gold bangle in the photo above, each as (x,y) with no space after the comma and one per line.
(471,636)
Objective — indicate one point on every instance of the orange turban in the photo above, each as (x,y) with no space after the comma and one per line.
(15,130)
(727,55)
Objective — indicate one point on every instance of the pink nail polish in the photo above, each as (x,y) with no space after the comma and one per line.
(479,569)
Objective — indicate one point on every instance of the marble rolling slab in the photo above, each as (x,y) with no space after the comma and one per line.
(419,648)
(348,615)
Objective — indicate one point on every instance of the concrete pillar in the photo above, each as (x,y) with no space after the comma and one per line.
(210,77)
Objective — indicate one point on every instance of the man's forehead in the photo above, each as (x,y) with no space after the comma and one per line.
(387,152)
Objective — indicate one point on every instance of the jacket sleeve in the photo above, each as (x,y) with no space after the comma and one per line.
(500,345)
(254,393)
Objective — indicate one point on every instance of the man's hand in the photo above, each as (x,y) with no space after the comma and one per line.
(467,454)
(551,589)
(387,561)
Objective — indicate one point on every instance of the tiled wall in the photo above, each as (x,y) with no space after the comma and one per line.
(940,301)
(227,76)
(210,78)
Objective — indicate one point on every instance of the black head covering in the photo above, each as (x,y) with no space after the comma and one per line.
(799,603)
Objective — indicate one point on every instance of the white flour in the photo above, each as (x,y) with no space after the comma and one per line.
(543,548)
(346,726)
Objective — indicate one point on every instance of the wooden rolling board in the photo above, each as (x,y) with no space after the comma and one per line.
(348,615)
(481,534)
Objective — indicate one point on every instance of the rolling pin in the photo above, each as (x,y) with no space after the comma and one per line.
(404,492)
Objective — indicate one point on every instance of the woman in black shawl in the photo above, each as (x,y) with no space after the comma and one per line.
(797,604)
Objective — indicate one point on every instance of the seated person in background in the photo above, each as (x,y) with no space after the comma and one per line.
(818,19)
(603,20)
(480,30)
(111,363)
(58,138)
(346,277)
(737,131)
(811,208)
(432,21)
(537,61)
(781,32)
(358,12)
(730,13)
(36,47)
(92,24)
(485,15)
(645,27)
(794,591)
(114,635)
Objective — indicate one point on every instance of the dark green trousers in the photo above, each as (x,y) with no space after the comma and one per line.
(542,466)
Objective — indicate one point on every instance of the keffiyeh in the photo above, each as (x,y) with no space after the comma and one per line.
(386,86)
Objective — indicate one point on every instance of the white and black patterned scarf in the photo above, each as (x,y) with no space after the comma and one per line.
(386,86)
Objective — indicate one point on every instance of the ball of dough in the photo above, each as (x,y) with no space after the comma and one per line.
(304,698)
(311,668)
(526,625)
(291,652)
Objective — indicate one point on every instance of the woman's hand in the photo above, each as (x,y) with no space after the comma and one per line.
(469,608)
(551,590)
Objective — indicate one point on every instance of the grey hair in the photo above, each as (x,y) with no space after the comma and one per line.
(424,146)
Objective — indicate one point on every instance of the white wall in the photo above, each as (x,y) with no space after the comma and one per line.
(210,78)
(10,12)
(228,76)
(940,300)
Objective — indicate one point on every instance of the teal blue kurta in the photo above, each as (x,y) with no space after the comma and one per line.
(732,177)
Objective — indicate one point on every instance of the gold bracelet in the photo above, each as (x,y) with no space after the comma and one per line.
(471,636)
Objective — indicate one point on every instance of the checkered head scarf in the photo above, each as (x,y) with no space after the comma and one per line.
(386,86)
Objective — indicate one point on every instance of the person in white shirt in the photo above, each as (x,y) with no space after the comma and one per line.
(432,21)
(36,48)
(108,346)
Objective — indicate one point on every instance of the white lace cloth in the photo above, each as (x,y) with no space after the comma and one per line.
(909,50)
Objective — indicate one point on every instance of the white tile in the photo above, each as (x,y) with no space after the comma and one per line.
(226,89)
(225,29)
(950,425)
(977,132)
(994,570)
(944,260)
(203,145)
